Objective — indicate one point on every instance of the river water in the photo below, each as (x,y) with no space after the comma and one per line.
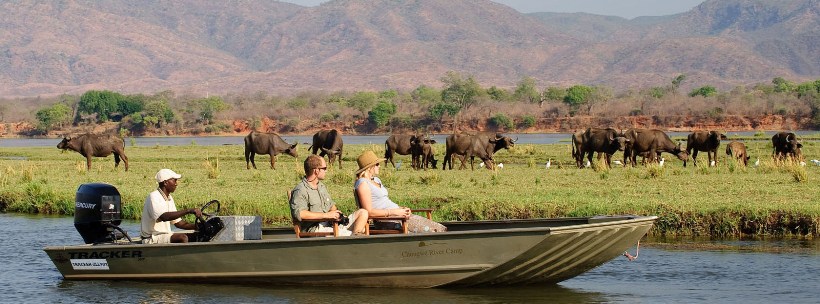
(539,138)
(784,271)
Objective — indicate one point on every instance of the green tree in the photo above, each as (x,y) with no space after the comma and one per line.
(555,94)
(677,82)
(704,91)
(207,108)
(381,113)
(498,94)
(438,110)
(528,91)
(459,91)
(577,96)
(656,92)
(501,121)
(388,94)
(426,95)
(104,103)
(782,85)
(362,101)
(52,117)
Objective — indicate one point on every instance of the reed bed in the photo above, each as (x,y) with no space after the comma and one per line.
(773,198)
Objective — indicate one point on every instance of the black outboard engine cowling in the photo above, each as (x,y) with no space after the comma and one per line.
(97,209)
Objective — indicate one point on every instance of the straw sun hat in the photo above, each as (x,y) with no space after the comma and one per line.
(366,160)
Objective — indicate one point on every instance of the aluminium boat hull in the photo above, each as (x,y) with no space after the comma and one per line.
(480,253)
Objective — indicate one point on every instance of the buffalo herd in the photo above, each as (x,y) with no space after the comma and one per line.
(650,144)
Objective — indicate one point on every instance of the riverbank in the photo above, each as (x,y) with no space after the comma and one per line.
(727,200)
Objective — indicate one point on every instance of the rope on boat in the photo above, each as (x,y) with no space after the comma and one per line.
(637,252)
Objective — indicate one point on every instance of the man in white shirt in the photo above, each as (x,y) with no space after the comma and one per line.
(160,212)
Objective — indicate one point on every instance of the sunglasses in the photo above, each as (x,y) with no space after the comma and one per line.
(322,168)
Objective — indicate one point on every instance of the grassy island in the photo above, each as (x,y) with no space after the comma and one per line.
(726,200)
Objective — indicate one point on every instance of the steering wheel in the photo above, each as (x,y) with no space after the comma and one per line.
(199,221)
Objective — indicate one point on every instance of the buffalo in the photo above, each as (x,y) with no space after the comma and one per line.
(605,141)
(737,150)
(424,155)
(652,141)
(402,144)
(786,145)
(481,145)
(98,145)
(577,145)
(266,143)
(329,142)
(705,141)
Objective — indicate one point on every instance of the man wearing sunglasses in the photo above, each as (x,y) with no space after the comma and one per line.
(311,200)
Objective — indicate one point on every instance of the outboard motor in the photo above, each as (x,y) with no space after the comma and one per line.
(97,209)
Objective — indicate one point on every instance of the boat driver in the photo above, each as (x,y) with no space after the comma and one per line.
(160,212)
(311,200)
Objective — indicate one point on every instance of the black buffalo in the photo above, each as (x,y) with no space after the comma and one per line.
(705,141)
(481,145)
(737,150)
(402,144)
(266,143)
(329,142)
(786,145)
(606,141)
(98,145)
(652,141)
(424,155)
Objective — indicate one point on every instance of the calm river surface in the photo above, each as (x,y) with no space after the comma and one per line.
(760,272)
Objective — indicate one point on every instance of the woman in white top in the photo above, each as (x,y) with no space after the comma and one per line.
(372,196)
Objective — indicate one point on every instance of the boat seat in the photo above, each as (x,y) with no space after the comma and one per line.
(403,229)
(297,225)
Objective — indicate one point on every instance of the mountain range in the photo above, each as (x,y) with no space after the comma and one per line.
(51,47)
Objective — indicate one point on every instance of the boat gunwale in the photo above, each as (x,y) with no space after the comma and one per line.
(386,237)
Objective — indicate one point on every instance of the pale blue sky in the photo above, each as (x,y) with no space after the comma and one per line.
(623,8)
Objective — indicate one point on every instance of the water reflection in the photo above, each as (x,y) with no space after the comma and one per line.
(681,271)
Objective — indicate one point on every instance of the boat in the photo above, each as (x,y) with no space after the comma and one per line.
(469,254)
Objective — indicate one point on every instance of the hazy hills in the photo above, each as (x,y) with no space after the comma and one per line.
(69,46)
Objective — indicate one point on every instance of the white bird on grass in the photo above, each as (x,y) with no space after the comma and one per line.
(661,162)
(712,164)
(757,162)
(617,162)
(500,166)
(481,165)
(802,164)
(549,163)
(816,162)
(398,165)
(587,164)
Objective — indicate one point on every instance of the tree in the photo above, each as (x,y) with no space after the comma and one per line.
(426,95)
(577,96)
(53,116)
(362,101)
(527,90)
(208,107)
(103,103)
(438,110)
(459,91)
(782,85)
(381,113)
(555,94)
(498,94)
(677,82)
(704,91)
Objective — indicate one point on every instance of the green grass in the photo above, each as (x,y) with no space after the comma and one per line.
(728,200)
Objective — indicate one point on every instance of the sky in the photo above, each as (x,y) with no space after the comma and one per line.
(623,8)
